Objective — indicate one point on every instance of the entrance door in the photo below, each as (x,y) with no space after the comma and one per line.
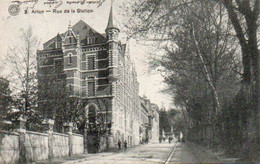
(92,136)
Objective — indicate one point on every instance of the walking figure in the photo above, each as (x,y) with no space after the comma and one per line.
(119,144)
(125,145)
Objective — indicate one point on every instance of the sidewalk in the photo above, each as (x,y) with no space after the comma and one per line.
(64,159)
(208,155)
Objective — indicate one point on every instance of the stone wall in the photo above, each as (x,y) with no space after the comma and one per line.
(60,145)
(22,146)
(9,150)
(103,143)
(36,146)
(78,144)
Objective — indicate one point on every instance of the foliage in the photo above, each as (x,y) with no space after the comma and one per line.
(244,16)
(201,63)
(5,104)
(6,99)
(163,118)
(21,63)
(56,100)
(171,120)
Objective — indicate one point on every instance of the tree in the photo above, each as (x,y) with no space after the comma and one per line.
(171,121)
(244,16)
(56,100)
(6,100)
(163,118)
(21,60)
(5,96)
(69,110)
(6,103)
(176,121)
(200,63)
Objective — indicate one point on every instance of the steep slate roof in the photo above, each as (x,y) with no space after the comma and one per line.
(80,28)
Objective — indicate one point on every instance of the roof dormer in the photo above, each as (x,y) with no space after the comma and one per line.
(70,36)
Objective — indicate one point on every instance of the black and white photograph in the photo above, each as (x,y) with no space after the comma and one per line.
(129,81)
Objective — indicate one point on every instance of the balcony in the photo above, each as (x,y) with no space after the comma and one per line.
(113,74)
(148,125)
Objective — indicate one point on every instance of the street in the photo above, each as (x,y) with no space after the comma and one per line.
(175,152)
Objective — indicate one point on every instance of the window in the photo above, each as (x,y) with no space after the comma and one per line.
(91,63)
(103,64)
(91,86)
(70,88)
(70,59)
(83,57)
(102,54)
(91,40)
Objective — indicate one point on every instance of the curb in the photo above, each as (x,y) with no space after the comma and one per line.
(167,161)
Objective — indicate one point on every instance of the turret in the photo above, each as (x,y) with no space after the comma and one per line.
(112,32)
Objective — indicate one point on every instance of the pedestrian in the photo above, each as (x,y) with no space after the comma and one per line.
(146,140)
(119,144)
(125,145)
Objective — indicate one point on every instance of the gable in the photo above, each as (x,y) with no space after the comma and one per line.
(83,30)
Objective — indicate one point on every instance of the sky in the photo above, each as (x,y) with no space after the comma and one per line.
(46,25)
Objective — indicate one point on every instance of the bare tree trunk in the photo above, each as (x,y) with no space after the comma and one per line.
(250,53)
(185,118)
(207,75)
(27,78)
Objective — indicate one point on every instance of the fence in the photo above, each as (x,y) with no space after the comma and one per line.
(22,146)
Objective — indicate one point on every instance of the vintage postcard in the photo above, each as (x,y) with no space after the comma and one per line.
(129,81)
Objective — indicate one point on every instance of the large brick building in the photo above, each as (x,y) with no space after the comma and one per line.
(97,68)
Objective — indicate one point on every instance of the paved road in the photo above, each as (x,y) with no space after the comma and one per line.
(177,152)
(150,153)
(163,153)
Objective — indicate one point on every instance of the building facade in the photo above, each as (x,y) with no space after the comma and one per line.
(155,123)
(149,122)
(145,124)
(96,68)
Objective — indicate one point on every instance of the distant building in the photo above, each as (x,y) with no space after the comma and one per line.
(155,123)
(97,68)
(149,126)
(145,126)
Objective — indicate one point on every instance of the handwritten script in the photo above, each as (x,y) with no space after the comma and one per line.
(53,6)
